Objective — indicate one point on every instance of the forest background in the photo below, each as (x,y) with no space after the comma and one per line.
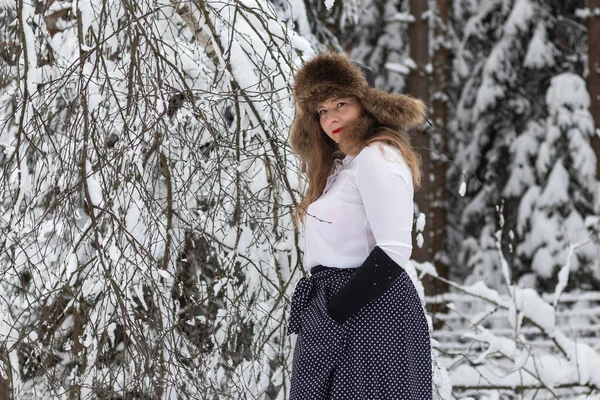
(147,245)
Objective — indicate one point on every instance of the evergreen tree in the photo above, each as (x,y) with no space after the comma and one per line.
(554,170)
(379,41)
(506,60)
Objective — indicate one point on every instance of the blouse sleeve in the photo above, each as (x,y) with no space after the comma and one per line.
(385,186)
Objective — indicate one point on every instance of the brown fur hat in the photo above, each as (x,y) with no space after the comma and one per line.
(334,75)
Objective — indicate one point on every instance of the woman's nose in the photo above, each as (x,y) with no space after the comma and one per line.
(331,118)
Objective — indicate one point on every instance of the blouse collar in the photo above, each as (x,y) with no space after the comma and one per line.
(342,162)
(347,159)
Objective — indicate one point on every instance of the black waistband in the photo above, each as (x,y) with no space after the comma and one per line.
(318,268)
(321,268)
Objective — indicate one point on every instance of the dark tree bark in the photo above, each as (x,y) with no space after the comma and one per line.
(431,143)
(439,143)
(418,83)
(593,81)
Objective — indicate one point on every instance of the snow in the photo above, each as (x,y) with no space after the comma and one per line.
(425,268)
(514,361)
(563,276)
(31,78)
(556,191)
(93,186)
(489,92)
(460,8)
(22,178)
(585,13)
(8,151)
(462,189)
(3,371)
(398,68)
(420,224)
(520,16)
(400,17)
(534,308)
(567,91)
(410,63)
(540,52)
(480,289)
(522,175)
(253,261)
(71,265)
(545,260)
(548,234)
(506,270)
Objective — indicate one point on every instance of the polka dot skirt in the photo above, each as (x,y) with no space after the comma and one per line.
(381,352)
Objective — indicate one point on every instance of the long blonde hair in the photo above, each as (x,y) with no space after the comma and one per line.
(317,152)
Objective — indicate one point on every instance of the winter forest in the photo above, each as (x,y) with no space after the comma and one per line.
(147,243)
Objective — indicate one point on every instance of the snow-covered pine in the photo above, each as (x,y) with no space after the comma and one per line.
(507,58)
(380,42)
(556,203)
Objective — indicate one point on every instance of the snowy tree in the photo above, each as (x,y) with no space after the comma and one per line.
(380,41)
(147,246)
(592,14)
(505,62)
(557,208)
(324,23)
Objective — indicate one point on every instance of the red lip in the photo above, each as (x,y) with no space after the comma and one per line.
(337,130)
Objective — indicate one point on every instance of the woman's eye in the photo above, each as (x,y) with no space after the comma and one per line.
(341,104)
(321,112)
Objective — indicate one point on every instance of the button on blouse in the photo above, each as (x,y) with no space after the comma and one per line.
(367,202)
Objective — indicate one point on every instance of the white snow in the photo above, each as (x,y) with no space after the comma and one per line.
(556,191)
(540,52)
(396,67)
(420,224)
(400,17)
(462,189)
(520,15)
(567,91)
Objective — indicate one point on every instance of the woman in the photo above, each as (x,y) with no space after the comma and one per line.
(362,331)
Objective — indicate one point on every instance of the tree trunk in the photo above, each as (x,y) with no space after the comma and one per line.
(594,75)
(77,348)
(418,83)
(5,384)
(440,149)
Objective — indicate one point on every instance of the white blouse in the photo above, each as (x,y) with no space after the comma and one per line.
(367,202)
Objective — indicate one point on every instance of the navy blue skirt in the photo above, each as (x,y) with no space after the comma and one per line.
(381,352)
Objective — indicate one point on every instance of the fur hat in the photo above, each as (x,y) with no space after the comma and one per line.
(334,75)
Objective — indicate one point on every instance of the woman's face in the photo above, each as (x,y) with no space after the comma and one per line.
(336,114)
